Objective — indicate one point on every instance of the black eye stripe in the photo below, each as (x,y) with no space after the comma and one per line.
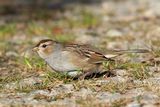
(44,45)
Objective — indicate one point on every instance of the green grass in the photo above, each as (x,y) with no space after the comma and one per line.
(38,29)
(7,30)
(156,53)
(29,88)
(89,19)
(64,38)
(86,20)
(136,70)
(10,78)
(34,62)
(115,87)
(54,76)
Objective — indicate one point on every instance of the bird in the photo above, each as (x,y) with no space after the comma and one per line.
(74,60)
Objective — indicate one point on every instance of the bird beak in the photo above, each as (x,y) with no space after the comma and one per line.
(35,49)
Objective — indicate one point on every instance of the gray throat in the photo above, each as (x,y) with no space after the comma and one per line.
(56,55)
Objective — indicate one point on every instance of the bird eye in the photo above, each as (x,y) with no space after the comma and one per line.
(44,46)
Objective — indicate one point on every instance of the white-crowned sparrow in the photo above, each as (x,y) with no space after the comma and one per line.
(73,59)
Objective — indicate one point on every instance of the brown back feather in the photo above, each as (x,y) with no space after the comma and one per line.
(95,57)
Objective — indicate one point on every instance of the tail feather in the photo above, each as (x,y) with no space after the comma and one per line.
(117,53)
(132,51)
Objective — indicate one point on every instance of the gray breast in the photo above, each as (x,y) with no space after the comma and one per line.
(59,61)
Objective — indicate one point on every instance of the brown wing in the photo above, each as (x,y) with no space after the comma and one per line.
(90,53)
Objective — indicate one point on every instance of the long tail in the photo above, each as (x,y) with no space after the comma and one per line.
(132,51)
(116,53)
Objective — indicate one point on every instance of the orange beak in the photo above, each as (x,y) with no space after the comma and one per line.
(35,49)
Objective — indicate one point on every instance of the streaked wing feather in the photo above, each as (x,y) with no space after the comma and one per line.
(84,50)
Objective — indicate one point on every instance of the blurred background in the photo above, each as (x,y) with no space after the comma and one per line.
(75,19)
(30,7)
